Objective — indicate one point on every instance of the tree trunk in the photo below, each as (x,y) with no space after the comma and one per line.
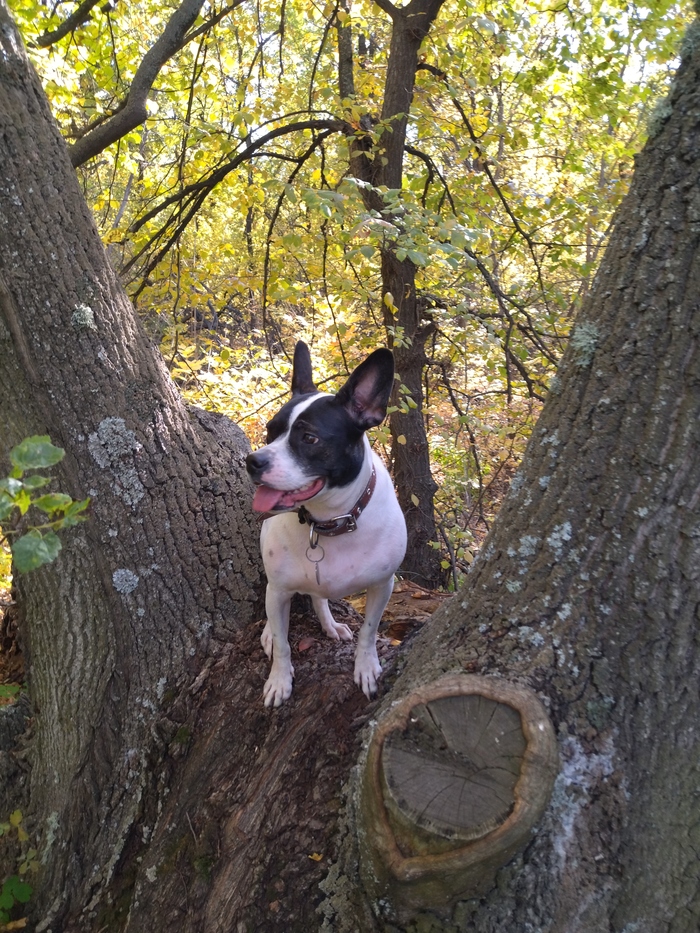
(415,485)
(412,474)
(165,571)
(164,797)
(587,591)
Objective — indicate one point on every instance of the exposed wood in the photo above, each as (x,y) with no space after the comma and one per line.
(489,747)
(454,768)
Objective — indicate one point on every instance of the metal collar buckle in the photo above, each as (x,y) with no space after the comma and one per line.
(333,527)
(350,524)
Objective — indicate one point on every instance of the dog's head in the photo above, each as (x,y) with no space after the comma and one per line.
(315,441)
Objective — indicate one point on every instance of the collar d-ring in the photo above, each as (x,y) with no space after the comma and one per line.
(313,536)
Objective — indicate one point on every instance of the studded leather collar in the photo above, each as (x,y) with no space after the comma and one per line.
(341,524)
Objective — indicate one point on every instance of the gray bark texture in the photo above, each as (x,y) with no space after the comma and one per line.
(162,796)
(588,590)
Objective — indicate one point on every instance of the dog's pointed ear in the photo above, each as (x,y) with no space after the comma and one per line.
(302,378)
(365,395)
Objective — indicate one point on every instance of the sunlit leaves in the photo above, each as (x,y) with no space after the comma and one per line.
(522,131)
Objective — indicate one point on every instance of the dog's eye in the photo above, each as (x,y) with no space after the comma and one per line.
(309,438)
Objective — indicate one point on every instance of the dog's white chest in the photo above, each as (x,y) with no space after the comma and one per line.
(337,566)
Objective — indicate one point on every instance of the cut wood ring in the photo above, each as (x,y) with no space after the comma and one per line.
(456,777)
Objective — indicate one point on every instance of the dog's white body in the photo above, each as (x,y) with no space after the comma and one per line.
(364,559)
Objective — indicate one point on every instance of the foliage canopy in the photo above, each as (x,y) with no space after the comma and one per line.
(237,218)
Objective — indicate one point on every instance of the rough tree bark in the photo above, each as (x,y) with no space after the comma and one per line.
(167,565)
(588,590)
(163,796)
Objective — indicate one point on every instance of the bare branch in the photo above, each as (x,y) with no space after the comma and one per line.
(132,112)
(388,7)
(346,80)
(194,196)
(218,175)
(211,22)
(77,18)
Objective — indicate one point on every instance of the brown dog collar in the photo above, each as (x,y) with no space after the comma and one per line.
(341,524)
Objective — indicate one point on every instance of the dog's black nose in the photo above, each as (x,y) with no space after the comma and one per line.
(256,463)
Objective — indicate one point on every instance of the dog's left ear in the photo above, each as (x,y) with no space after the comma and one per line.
(302,377)
(365,395)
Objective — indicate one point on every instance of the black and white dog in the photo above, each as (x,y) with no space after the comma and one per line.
(339,528)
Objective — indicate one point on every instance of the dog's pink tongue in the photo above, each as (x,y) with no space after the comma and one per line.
(265,498)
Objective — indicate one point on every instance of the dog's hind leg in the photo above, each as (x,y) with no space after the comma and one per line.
(275,642)
(367,666)
(333,629)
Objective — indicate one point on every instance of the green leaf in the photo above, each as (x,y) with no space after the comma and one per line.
(52,502)
(461,238)
(11,486)
(20,890)
(6,506)
(35,453)
(418,258)
(22,501)
(73,514)
(35,481)
(34,550)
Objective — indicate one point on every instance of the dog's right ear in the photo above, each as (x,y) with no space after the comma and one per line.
(365,395)
(302,378)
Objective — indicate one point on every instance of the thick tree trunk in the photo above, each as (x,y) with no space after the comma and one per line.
(165,571)
(588,592)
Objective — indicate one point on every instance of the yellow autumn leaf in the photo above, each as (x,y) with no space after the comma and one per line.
(316,857)
(414,499)
(401,439)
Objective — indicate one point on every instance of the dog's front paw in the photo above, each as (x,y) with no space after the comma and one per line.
(367,670)
(337,631)
(278,687)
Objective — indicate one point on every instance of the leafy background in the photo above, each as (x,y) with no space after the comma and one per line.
(522,135)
